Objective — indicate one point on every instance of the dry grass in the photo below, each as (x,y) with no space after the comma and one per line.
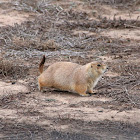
(22,43)
(52,30)
(11,69)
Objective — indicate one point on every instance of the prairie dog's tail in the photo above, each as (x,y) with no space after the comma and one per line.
(41,64)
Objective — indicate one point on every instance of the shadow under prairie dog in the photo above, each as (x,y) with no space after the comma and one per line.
(70,76)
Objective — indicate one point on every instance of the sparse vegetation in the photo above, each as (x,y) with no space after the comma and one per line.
(12,69)
(78,32)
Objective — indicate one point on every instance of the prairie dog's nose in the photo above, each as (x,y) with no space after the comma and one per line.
(107,68)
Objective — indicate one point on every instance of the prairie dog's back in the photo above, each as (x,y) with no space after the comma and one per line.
(60,74)
(64,72)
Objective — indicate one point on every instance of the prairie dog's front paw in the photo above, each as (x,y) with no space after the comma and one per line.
(85,95)
(92,91)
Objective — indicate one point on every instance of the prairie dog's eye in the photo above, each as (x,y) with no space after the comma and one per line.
(98,65)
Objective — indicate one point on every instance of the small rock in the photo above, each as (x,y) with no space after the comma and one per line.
(100,110)
(50,100)
(113,137)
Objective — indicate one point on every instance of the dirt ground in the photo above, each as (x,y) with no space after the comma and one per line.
(78,31)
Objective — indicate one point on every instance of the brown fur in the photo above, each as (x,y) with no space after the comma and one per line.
(71,76)
(41,64)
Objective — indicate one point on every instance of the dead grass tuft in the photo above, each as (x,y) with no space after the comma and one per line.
(50,44)
(11,69)
(22,43)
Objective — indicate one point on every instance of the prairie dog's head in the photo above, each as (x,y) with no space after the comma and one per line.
(98,68)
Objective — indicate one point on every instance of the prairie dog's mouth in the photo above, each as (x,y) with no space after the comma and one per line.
(105,69)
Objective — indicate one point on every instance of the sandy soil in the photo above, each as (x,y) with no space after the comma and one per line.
(9,16)
(12,18)
(79,34)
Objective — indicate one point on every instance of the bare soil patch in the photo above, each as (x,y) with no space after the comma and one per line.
(75,31)
(10,16)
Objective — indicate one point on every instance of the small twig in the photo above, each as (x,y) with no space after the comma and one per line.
(4,40)
(137,18)
(135,86)
(126,91)
(131,26)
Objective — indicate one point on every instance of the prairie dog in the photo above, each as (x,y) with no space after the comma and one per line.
(70,76)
